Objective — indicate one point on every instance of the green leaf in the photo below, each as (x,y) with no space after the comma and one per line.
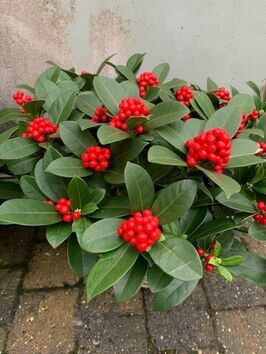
(125,72)
(130,284)
(140,187)
(102,236)
(211,85)
(161,71)
(192,220)
(238,201)
(174,294)
(178,258)
(165,113)
(79,193)
(130,89)
(244,161)
(6,134)
(231,261)
(227,118)
(62,107)
(87,124)
(68,167)
(224,273)
(35,108)
(243,147)
(22,166)
(104,63)
(211,228)
(28,212)
(57,234)
(41,87)
(110,268)
(134,62)
(174,200)
(164,156)
(87,102)
(9,190)
(204,103)
(109,91)
(227,184)
(113,207)
(243,101)
(254,87)
(17,148)
(257,231)
(8,114)
(252,268)
(76,140)
(79,226)
(26,87)
(80,262)
(107,134)
(260,186)
(46,89)
(157,279)
(30,188)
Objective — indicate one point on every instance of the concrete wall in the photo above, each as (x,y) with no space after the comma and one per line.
(224,39)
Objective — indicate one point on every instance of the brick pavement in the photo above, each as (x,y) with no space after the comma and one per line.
(43,311)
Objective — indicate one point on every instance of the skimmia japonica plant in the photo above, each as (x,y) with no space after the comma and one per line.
(144,178)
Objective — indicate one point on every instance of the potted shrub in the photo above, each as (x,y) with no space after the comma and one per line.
(142,177)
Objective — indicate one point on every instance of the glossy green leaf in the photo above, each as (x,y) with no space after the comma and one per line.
(68,167)
(139,186)
(110,268)
(9,190)
(80,262)
(174,200)
(157,279)
(87,102)
(164,156)
(204,103)
(75,139)
(107,134)
(112,207)
(257,231)
(244,161)
(109,91)
(243,147)
(174,294)
(22,166)
(178,258)
(80,225)
(17,148)
(129,285)
(62,107)
(238,201)
(211,85)
(7,134)
(243,101)
(130,89)
(28,212)
(30,188)
(134,62)
(125,72)
(58,233)
(78,192)
(161,71)
(192,220)
(34,107)
(8,114)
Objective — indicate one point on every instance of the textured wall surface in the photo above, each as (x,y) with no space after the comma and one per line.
(224,39)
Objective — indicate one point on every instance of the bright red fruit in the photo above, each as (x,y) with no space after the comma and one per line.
(39,128)
(100,115)
(262,148)
(260,217)
(244,121)
(254,115)
(129,107)
(223,94)
(213,146)
(184,95)
(209,267)
(20,97)
(96,158)
(63,207)
(146,79)
(141,230)
(200,252)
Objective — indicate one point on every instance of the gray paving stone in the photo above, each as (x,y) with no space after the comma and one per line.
(9,281)
(15,244)
(184,328)
(242,331)
(3,335)
(104,327)
(237,294)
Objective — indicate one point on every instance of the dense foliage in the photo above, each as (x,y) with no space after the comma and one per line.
(141,176)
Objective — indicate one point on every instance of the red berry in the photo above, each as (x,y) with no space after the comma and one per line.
(96,158)
(254,115)
(209,267)
(184,95)
(200,252)
(146,79)
(21,98)
(67,218)
(139,129)
(208,258)
(212,245)
(39,128)
(76,215)
(100,115)
(244,121)
(223,94)
(141,230)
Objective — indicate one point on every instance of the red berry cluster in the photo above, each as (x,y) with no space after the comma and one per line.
(184,95)
(254,115)
(244,121)
(141,230)
(207,257)
(21,98)
(223,94)
(260,217)
(96,158)
(262,148)
(129,107)
(100,115)
(38,128)
(63,207)
(146,79)
(212,146)
(186,117)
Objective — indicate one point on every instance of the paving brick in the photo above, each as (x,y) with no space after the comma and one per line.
(255,246)
(44,323)
(15,244)
(49,268)
(3,335)
(184,328)
(104,327)
(242,332)
(9,282)
(230,295)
